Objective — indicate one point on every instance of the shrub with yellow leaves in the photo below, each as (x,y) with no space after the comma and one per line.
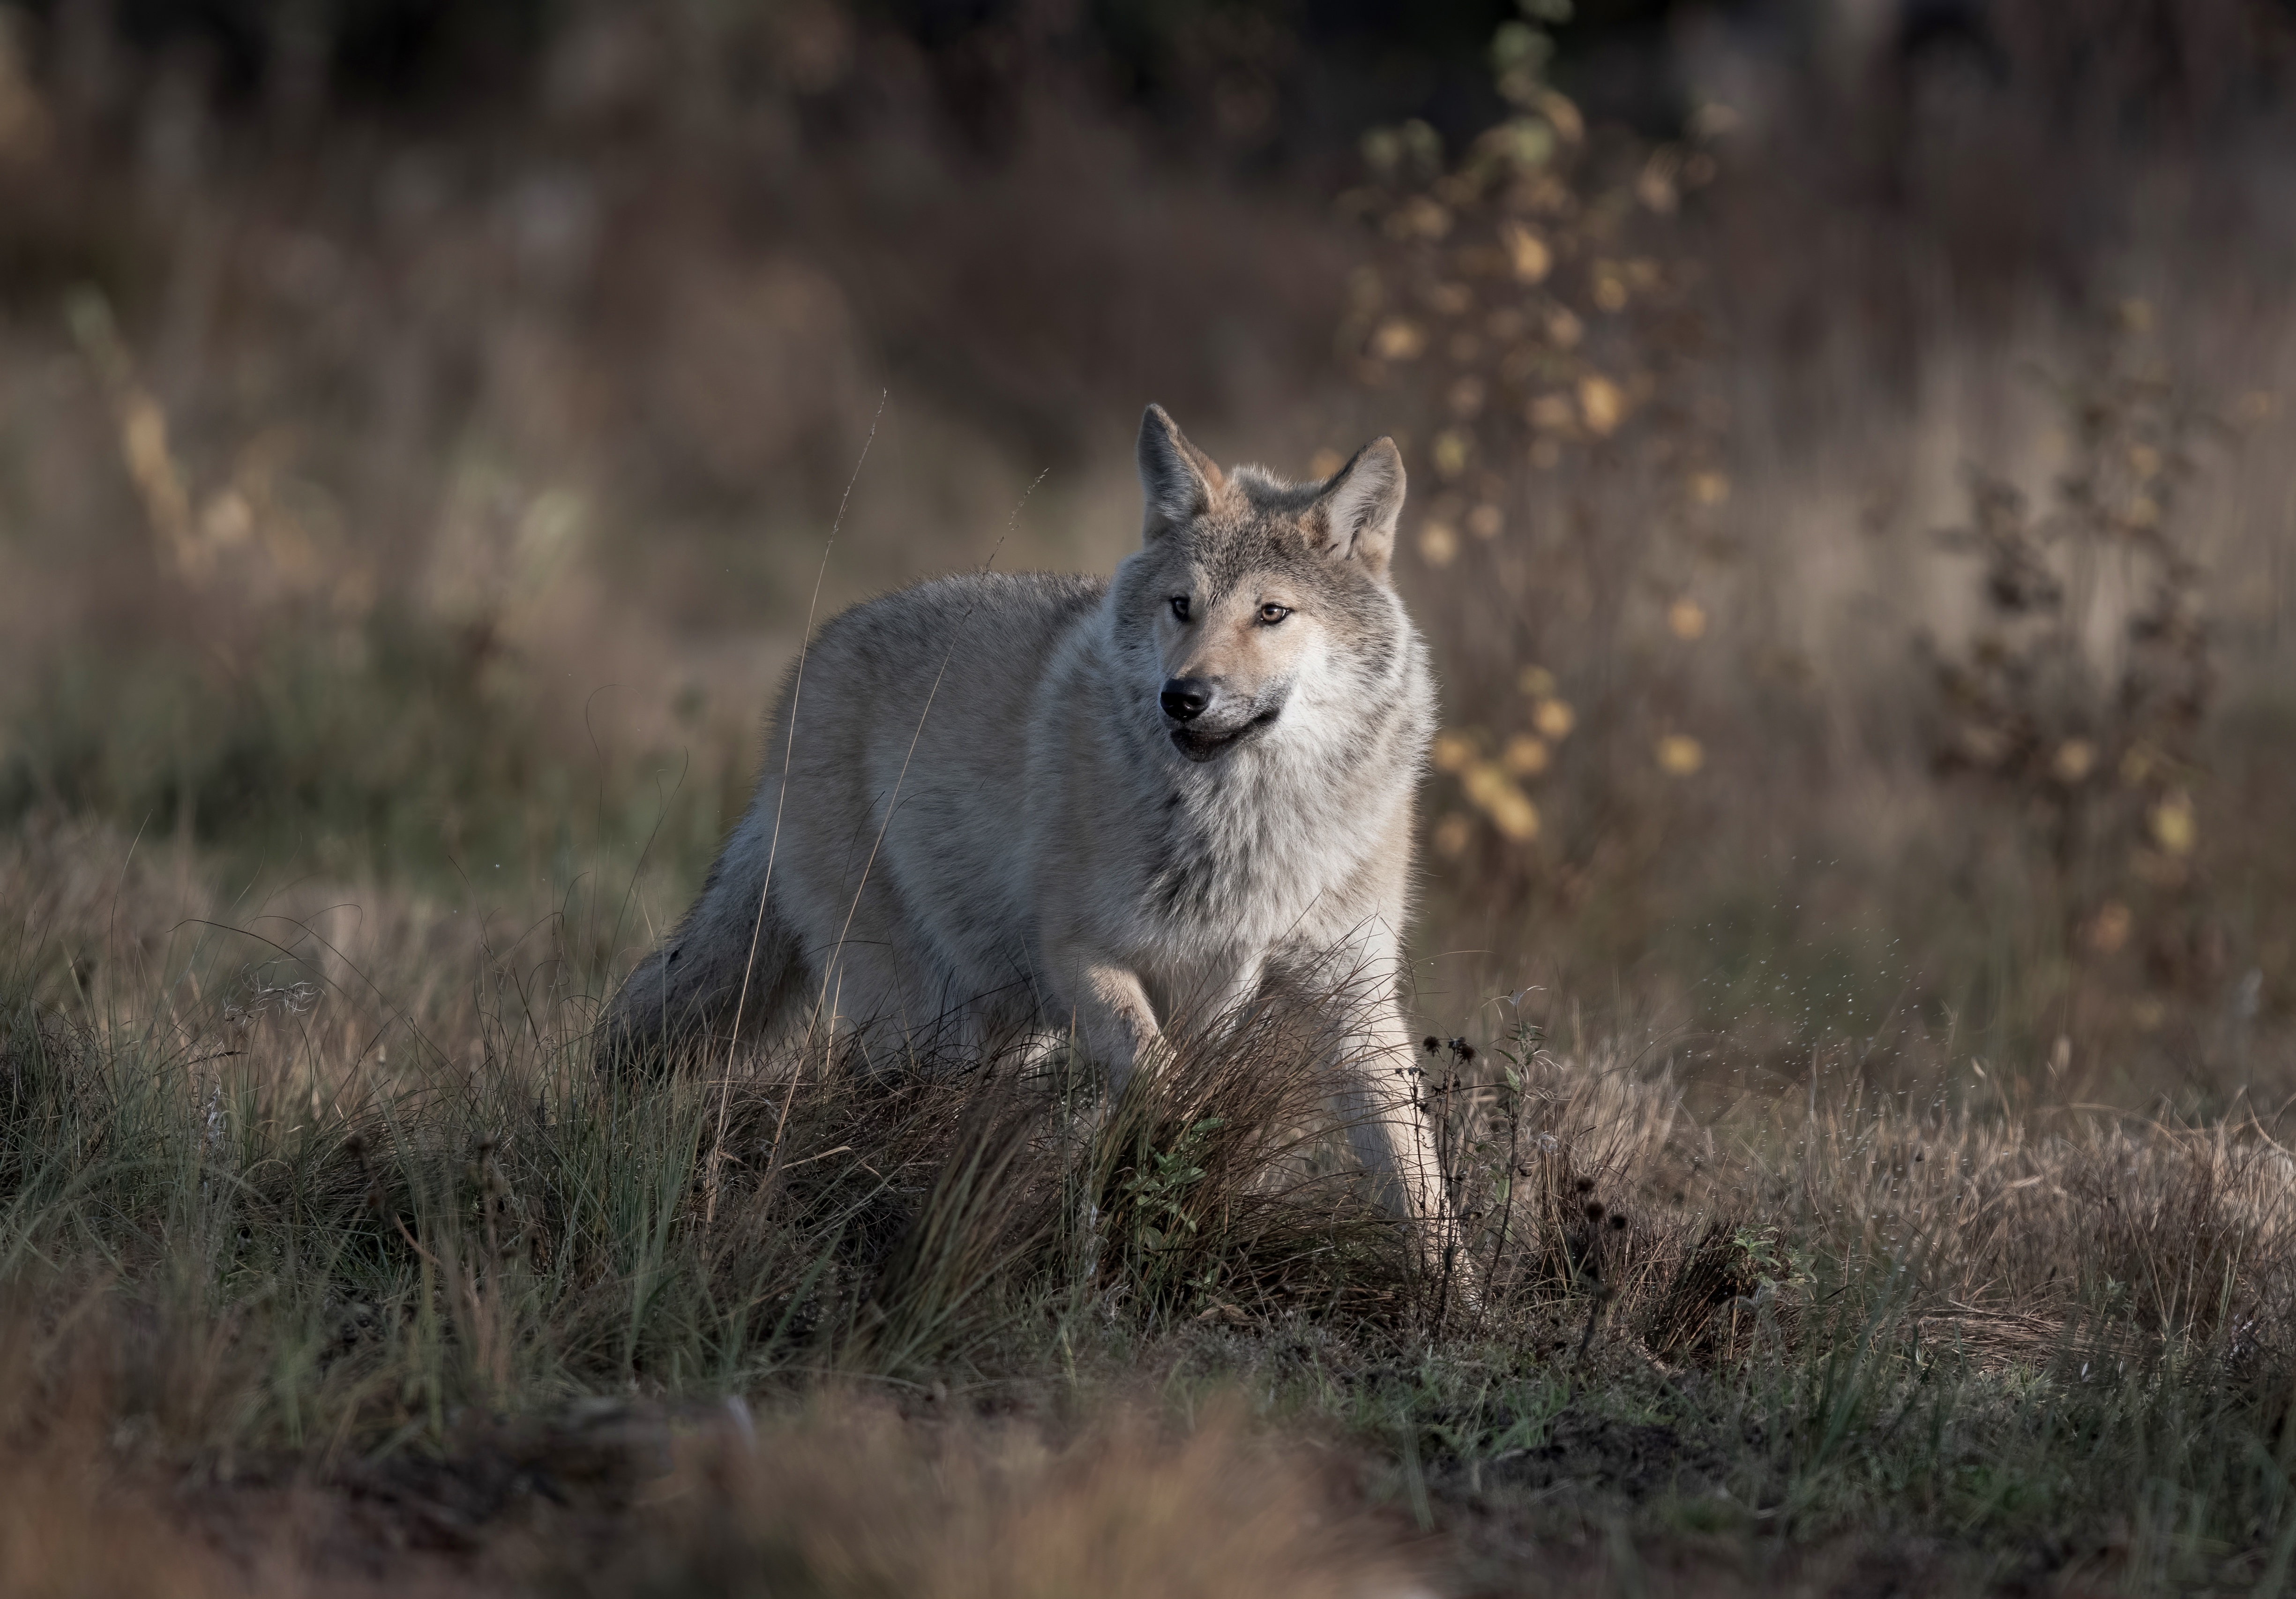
(1528,322)
(1517,282)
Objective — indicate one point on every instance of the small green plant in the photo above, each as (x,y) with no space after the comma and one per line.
(1158,1186)
(1778,1267)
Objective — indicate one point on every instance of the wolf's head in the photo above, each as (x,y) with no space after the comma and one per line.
(1256,608)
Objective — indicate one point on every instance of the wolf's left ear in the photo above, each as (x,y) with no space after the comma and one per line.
(1356,513)
(1176,480)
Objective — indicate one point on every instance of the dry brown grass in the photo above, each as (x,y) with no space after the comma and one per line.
(71,1521)
(853,1499)
(336,1232)
(846,1497)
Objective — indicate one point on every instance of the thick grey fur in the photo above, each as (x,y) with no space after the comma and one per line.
(986,829)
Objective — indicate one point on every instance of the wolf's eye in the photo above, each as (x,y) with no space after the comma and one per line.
(1180,606)
(1272,613)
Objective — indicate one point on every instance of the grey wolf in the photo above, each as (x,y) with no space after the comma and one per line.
(1059,807)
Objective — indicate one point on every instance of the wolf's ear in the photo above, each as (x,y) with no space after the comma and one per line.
(1356,514)
(1176,479)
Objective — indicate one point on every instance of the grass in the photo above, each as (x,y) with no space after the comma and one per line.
(307,1221)
(387,746)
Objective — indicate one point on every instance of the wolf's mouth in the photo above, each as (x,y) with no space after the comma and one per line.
(1200,743)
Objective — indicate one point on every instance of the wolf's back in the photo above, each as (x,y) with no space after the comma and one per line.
(882,838)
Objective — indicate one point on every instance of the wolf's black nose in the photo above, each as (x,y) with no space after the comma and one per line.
(1184,699)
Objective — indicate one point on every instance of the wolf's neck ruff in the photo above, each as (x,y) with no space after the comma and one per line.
(1248,841)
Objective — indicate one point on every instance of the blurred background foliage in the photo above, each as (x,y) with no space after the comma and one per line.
(1853,495)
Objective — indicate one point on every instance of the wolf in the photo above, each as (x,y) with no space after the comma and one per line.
(1003,807)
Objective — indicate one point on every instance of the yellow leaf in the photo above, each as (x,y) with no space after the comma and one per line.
(1451,451)
(1525,756)
(1601,405)
(1399,340)
(1453,751)
(2174,825)
(1453,833)
(1679,755)
(1526,253)
(1510,810)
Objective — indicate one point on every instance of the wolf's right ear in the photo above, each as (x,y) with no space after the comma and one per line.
(1356,514)
(1176,480)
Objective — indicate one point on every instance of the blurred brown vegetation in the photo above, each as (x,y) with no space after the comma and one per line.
(1851,456)
(419,431)
(846,1496)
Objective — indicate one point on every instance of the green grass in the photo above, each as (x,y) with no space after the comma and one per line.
(391,747)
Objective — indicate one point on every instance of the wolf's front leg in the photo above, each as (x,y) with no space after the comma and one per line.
(1391,1126)
(1117,1023)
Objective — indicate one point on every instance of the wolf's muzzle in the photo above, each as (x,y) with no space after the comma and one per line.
(1203,719)
(1185,699)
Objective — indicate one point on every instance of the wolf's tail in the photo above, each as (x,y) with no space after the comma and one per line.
(708,981)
